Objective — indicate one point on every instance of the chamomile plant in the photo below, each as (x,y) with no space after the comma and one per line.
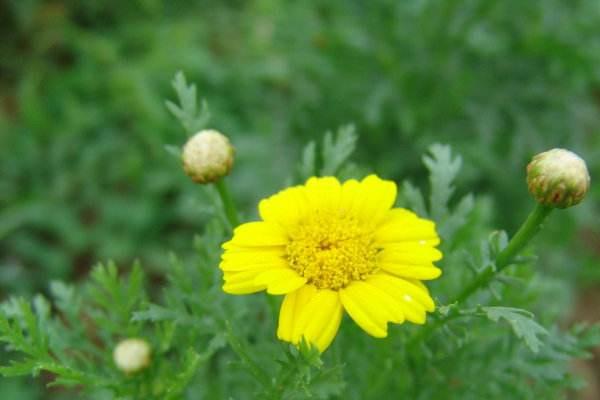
(344,284)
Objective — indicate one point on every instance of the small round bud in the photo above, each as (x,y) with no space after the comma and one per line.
(207,156)
(132,355)
(558,178)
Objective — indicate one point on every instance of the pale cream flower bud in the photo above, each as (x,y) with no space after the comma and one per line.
(207,156)
(558,178)
(132,355)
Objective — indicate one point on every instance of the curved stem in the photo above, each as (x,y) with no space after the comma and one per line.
(528,230)
(228,204)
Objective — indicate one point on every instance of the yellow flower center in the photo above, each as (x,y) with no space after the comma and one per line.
(331,250)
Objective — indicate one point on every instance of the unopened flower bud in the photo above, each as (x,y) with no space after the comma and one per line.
(207,156)
(132,355)
(558,178)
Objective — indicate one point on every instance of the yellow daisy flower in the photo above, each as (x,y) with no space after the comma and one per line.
(330,247)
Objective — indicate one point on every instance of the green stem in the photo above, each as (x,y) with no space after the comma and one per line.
(528,230)
(228,204)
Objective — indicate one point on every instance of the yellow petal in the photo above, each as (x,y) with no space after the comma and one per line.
(242,288)
(250,260)
(386,303)
(422,272)
(349,196)
(409,253)
(364,310)
(239,267)
(419,284)
(379,199)
(400,225)
(256,234)
(285,208)
(242,266)
(241,283)
(310,313)
(245,281)
(370,200)
(415,298)
(252,254)
(240,276)
(280,281)
(289,314)
(324,193)
(324,315)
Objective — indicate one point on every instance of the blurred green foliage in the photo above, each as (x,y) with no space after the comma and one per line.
(208,344)
(83,171)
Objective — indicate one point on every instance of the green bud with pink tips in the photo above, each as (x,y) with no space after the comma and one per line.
(558,178)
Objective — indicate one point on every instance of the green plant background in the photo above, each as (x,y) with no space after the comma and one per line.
(84,175)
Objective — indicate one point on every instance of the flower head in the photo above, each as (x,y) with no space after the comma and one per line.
(558,178)
(329,247)
(132,355)
(207,156)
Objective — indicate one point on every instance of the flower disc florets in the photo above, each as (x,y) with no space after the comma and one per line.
(558,178)
(207,156)
(332,250)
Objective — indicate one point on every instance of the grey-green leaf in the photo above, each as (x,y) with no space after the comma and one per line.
(521,322)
